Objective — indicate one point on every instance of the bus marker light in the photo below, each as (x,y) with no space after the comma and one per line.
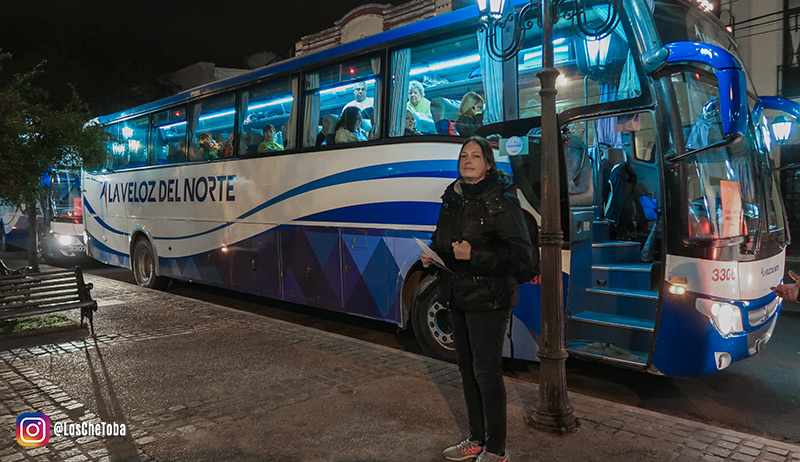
(224,249)
(677,290)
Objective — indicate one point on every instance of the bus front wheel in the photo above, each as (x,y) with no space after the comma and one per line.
(144,266)
(430,318)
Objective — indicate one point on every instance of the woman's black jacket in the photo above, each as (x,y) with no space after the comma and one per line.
(489,217)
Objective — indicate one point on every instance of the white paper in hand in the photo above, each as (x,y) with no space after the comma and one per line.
(437,260)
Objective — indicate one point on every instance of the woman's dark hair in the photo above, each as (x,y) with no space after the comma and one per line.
(350,118)
(486,150)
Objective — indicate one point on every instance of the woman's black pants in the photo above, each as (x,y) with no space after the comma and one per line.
(479,337)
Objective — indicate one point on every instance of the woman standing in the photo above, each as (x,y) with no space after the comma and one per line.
(482,237)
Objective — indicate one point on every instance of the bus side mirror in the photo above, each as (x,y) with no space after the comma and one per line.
(729,73)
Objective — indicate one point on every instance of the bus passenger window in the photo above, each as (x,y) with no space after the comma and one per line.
(169,136)
(215,121)
(267,105)
(433,81)
(592,70)
(342,104)
(132,151)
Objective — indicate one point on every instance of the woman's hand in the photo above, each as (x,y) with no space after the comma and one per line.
(462,250)
(426,259)
(789,291)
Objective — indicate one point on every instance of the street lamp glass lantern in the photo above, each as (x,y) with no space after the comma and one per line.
(782,129)
(493,8)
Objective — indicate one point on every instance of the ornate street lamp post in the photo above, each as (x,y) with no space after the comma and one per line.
(552,411)
(782,129)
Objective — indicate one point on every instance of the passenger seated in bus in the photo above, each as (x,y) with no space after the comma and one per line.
(470,114)
(411,124)
(177,153)
(325,135)
(348,128)
(442,109)
(361,101)
(227,147)
(208,148)
(252,134)
(269,143)
(416,98)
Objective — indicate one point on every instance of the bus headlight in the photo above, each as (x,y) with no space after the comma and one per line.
(727,318)
(63,239)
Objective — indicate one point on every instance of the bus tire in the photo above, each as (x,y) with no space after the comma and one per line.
(143,264)
(430,319)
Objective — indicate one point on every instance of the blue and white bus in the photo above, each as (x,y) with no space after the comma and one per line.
(661,131)
(60,219)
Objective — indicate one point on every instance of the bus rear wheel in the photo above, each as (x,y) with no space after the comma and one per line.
(144,266)
(430,319)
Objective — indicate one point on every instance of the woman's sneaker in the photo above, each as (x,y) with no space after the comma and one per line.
(464,450)
(487,456)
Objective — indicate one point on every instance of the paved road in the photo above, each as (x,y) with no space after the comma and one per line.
(194,381)
(760,395)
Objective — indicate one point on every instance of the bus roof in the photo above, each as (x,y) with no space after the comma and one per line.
(436,22)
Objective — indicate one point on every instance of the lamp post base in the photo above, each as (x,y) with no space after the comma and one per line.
(561,422)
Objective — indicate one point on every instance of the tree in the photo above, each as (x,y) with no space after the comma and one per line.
(36,137)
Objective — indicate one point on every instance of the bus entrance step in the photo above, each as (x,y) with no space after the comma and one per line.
(616,252)
(615,320)
(607,352)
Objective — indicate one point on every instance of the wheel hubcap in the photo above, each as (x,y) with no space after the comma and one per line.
(439,325)
(144,267)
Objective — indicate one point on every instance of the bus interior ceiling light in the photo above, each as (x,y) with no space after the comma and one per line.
(288,99)
(345,87)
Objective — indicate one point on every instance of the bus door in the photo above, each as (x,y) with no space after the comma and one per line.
(614,187)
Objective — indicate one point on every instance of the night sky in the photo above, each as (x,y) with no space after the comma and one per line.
(105,49)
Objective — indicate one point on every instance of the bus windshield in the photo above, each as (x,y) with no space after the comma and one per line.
(722,195)
(746,166)
(65,195)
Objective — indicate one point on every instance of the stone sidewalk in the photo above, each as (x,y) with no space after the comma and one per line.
(196,381)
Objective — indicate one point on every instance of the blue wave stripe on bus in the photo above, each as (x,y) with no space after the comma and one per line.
(420,169)
(399,213)
(100,220)
(415,169)
(100,246)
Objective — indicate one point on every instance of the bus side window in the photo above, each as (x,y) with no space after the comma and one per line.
(215,121)
(432,81)
(267,104)
(168,136)
(345,98)
(134,139)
